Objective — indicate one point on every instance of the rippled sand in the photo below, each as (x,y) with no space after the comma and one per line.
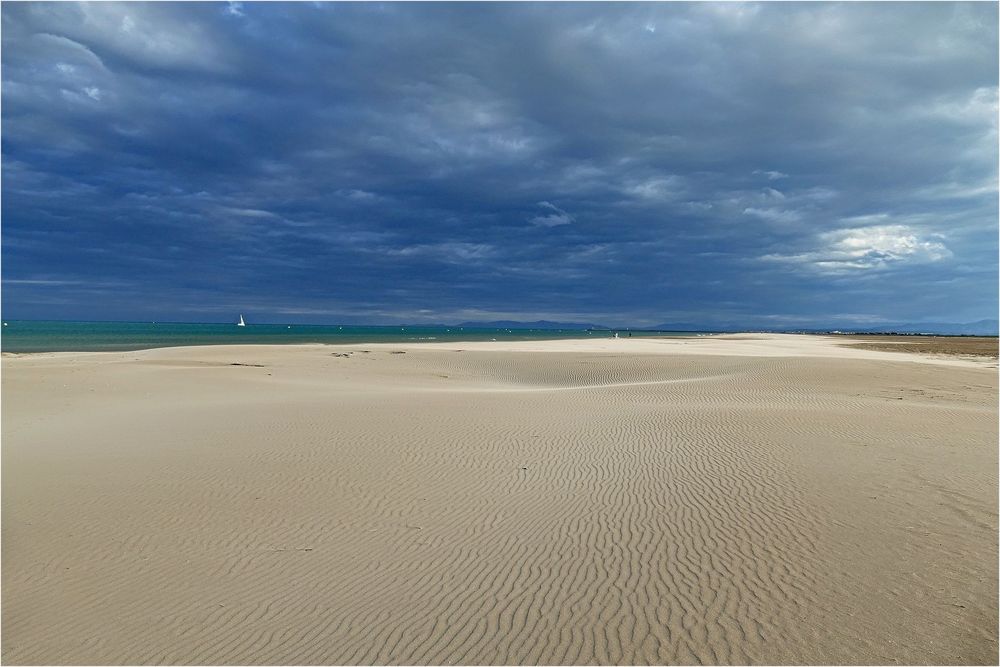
(725,500)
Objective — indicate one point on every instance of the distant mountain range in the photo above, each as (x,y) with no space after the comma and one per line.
(980,328)
(540,324)
(696,327)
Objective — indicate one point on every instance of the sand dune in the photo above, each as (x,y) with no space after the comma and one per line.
(708,500)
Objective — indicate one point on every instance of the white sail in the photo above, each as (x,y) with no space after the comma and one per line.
(241,323)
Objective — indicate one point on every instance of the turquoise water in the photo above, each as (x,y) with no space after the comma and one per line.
(34,336)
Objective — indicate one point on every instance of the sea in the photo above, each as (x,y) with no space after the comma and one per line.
(49,336)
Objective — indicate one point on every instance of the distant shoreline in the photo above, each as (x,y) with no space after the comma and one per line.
(291,335)
(23,336)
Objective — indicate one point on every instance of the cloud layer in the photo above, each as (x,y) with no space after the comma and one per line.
(634,163)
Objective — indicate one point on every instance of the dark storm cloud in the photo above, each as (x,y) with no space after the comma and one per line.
(627,163)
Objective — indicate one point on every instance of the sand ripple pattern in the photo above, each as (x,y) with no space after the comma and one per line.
(499,508)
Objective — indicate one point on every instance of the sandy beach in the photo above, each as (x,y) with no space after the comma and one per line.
(731,499)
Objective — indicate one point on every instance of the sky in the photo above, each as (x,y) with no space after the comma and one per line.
(776,164)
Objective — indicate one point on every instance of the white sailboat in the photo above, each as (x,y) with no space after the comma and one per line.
(241,323)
